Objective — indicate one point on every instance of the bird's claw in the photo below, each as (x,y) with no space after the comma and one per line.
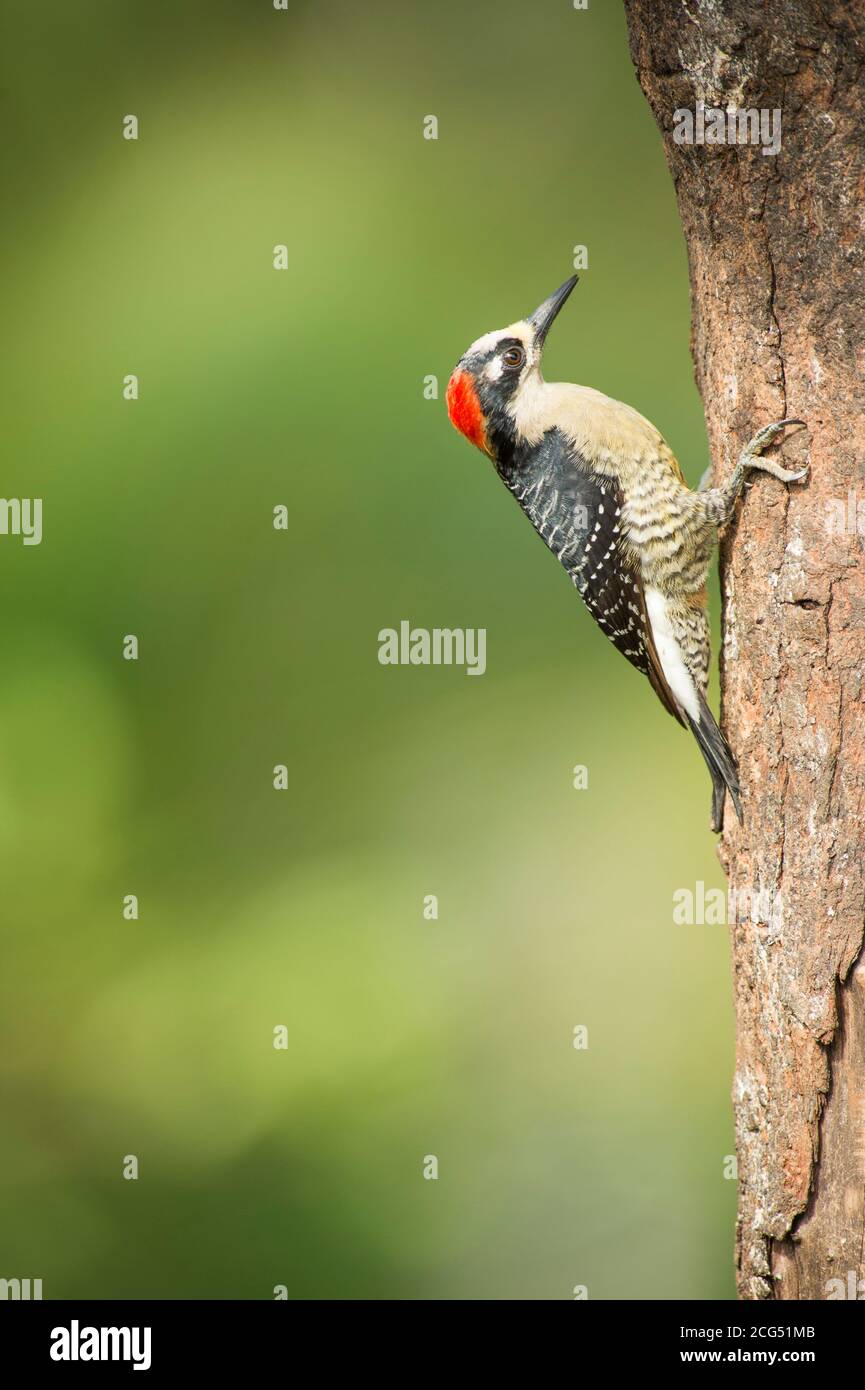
(751,457)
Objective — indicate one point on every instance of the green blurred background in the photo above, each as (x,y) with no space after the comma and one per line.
(303,1167)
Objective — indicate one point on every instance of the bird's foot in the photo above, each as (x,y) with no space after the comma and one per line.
(751,458)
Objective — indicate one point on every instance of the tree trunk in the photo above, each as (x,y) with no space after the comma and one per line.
(776,246)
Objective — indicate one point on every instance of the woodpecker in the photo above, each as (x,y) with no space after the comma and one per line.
(604,492)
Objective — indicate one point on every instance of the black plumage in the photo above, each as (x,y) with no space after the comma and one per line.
(578,516)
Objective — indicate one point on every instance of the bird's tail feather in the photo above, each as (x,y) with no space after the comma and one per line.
(720,762)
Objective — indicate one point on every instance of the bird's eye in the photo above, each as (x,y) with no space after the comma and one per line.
(514,357)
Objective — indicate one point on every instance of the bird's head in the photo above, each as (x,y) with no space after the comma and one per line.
(484,391)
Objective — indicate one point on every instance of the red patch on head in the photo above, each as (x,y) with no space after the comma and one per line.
(464,409)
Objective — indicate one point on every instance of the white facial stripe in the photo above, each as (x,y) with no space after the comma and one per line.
(488,341)
(521,331)
(494,369)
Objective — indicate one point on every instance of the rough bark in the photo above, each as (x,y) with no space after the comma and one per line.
(776,249)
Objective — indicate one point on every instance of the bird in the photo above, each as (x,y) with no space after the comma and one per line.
(604,491)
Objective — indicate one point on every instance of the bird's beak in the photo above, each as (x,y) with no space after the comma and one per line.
(542,319)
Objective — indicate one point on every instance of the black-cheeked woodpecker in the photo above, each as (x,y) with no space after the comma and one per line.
(605,493)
